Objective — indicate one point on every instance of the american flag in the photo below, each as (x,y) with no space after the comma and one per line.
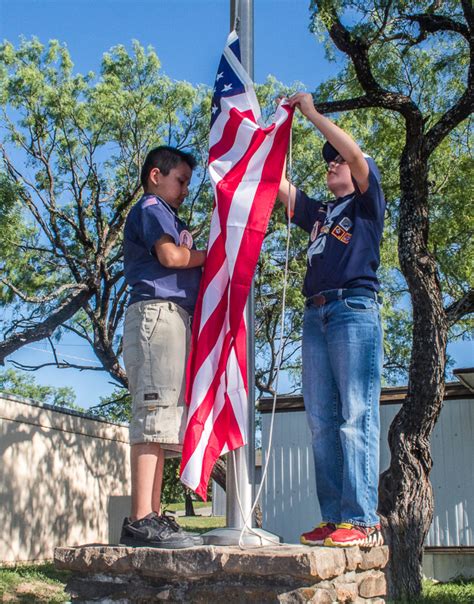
(245,164)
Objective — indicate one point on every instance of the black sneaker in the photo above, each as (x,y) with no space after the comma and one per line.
(174,526)
(152,531)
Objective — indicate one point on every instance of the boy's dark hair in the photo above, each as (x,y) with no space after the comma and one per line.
(165,158)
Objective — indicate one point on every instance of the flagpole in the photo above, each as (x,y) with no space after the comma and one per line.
(241,463)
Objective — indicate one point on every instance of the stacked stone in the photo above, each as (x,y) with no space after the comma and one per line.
(202,575)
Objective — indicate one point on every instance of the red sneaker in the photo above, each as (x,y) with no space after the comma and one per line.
(318,534)
(347,535)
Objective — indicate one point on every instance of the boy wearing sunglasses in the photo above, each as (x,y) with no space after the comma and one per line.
(342,335)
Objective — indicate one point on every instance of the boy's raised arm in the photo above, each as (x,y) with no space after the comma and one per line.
(286,192)
(348,149)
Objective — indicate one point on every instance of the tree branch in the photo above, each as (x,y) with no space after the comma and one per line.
(58,365)
(459,309)
(39,300)
(42,330)
(435,23)
(454,116)
(357,50)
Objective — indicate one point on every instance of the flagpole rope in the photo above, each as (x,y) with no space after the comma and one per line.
(246,526)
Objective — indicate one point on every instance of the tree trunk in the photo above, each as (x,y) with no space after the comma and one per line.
(406,497)
(188,504)
(219,472)
(219,475)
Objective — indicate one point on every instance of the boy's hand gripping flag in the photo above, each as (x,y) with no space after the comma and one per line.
(245,166)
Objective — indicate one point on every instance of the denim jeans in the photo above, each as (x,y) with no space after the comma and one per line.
(342,364)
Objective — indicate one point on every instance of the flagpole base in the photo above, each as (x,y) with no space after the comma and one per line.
(231,536)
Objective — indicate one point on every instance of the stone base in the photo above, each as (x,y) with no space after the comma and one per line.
(214,574)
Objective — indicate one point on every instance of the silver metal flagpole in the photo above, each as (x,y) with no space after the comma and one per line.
(240,481)
(241,463)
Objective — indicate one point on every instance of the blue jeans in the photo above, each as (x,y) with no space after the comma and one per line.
(342,365)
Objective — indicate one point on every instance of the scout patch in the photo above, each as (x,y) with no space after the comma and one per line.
(341,234)
(346,223)
(314,232)
(338,231)
(186,239)
(346,238)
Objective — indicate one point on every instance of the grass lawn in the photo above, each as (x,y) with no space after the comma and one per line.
(179,507)
(42,583)
(201,524)
(455,592)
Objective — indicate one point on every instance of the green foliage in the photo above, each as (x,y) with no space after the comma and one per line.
(117,407)
(84,137)
(180,506)
(454,592)
(173,488)
(202,524)
(71,153)
(431,70)
(14,231)
(378,133)
(308,172)
(452,211)
(21,384)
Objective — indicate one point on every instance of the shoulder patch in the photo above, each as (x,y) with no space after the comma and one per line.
(186,239)
(151,201)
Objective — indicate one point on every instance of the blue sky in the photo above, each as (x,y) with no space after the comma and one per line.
(188,36)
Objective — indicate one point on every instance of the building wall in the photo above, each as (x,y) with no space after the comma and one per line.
(290,504)
(64,480)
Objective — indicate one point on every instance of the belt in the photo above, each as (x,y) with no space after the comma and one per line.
(340,294)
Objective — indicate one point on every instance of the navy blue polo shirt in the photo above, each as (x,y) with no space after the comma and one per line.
(148,220)
(345,236)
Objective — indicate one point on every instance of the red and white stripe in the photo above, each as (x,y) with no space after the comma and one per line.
(245,166)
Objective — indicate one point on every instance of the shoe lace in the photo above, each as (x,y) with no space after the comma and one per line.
(169,520)
(161,527)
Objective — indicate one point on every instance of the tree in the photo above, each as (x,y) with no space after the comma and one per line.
(414,60)
(14,382)
(71,153)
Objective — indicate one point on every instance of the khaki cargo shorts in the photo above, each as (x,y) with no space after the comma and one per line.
(156,340)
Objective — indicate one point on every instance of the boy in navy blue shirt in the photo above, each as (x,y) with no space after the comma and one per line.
(163,269)
(342,335)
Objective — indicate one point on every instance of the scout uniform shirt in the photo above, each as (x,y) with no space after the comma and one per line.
(149,219)
(345,236)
